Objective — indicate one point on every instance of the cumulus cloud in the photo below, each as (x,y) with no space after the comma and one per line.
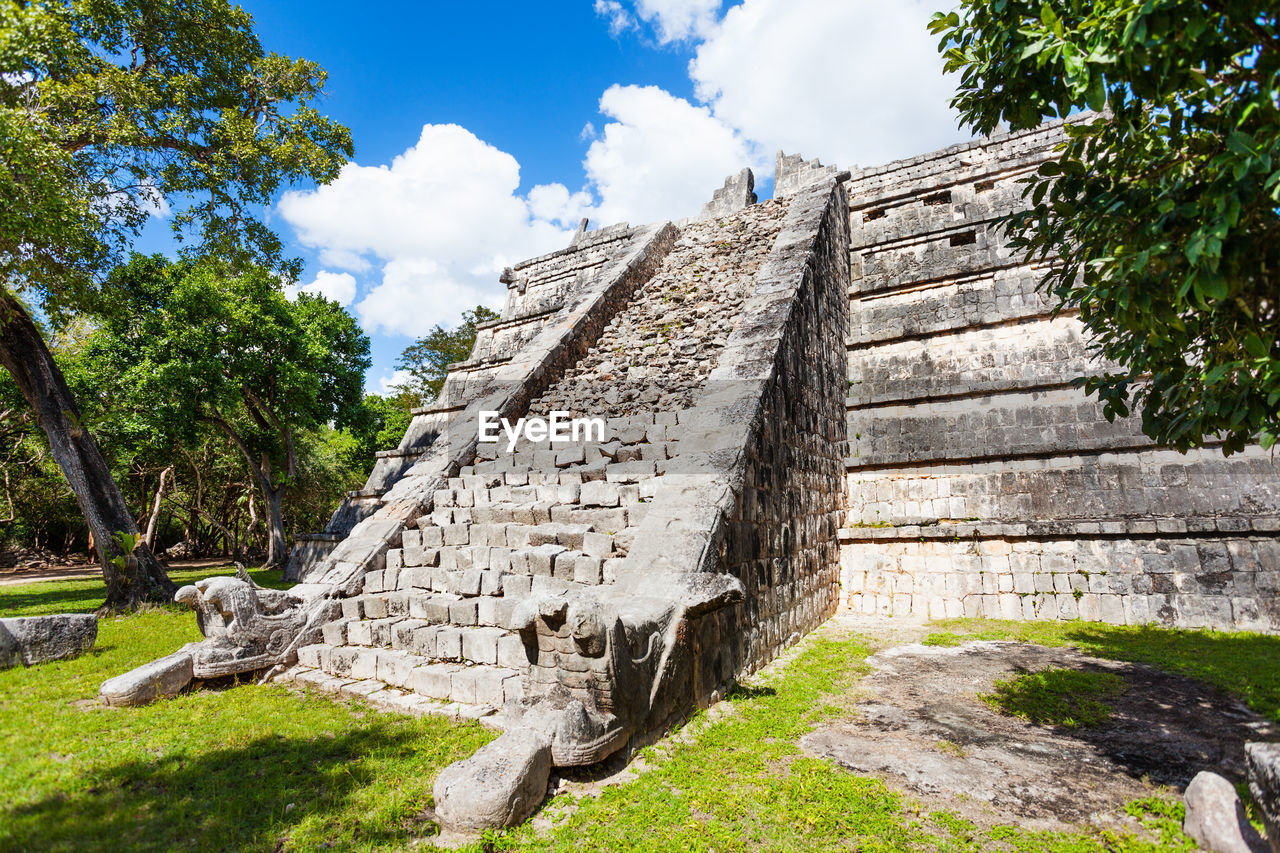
(854,82)
(554,203)
(339,287)
(850,81)
(661,157)
(435,227)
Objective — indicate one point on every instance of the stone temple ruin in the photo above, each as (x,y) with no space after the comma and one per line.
(850,395)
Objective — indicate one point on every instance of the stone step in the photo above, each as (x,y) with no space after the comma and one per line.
(431,641)
(559,549)
(478,684)
(391,699)
(432,607)
(599,517)
(622,484)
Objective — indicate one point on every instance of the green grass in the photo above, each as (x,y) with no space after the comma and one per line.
(1070,698)
(1244,664)
(84,595)
(741,783)
(261,768)
(240,769)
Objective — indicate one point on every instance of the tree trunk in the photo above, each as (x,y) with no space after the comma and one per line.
(152,521)
(273,495)
(24,354)
(276,552)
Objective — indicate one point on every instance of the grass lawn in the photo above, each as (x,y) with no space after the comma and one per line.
(261,768)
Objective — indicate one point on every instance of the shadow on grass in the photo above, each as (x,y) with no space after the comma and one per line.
(227,799)
(1247,665)
(78,596)
(85,595)
(747,691)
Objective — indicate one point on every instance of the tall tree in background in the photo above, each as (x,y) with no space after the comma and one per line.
(427,358)
(203,343)
(109,110)
(1161,217)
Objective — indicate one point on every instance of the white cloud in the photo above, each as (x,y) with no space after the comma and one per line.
(440,222)
(339,287)
(854,82)
(416,294)
(387,382)
(672,20)
(554,203)
(661,157)
(619,18)
(153,201)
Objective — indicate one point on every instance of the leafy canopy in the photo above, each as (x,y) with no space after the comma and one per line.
(110,109)
(200,343)
(1162,214)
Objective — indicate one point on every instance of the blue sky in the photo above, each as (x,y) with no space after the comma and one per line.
(484,131)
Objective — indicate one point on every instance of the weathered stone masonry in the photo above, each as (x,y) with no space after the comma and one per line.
(598,589)
(852,390)
(980,482)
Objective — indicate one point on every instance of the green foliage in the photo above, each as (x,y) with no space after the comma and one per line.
(383,424)
(1069,698)
(427,358)
(142,409)
(331,462)
(112,108)
(194,353)
(1238,662)
(128,543)
(1161,216)
(200,341)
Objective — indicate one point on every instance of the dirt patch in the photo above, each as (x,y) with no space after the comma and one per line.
(920,726)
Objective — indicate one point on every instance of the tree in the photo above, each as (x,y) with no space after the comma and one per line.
(207,343)
(381,427)
(109,110)
(1160,217)
(428,358)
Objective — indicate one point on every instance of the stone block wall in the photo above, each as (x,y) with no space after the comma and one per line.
(981,483)
(782,534)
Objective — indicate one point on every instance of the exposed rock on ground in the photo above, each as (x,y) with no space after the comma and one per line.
(922,727)
(166,676)
(501,785)
(1216,819)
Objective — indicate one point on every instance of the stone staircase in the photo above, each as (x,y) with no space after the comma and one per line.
(433,631)
(436,622)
